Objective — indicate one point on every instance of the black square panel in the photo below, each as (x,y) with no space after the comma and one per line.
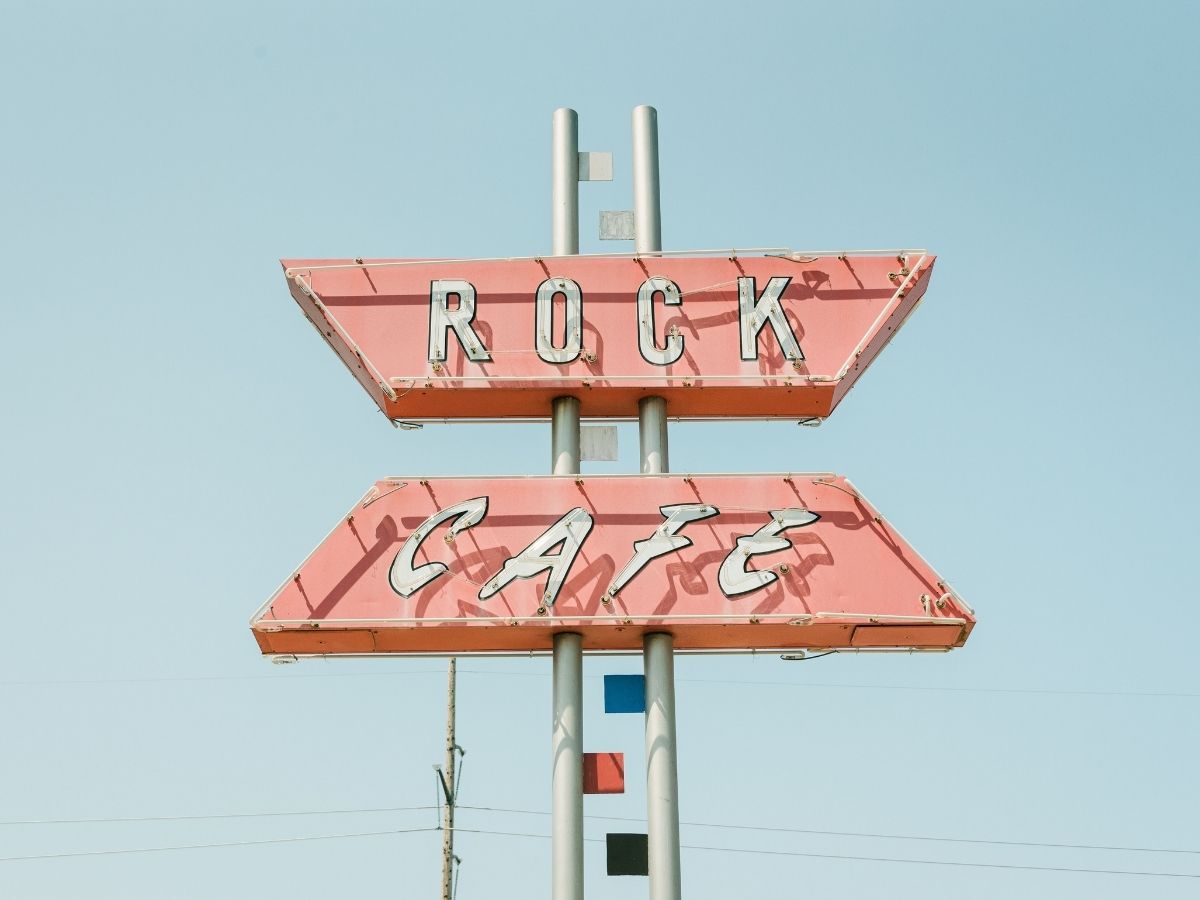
(628,854)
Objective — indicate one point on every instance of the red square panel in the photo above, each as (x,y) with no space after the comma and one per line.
(604,773)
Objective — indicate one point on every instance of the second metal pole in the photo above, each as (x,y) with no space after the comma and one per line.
(662,766)
(647,229)
(658,650)
(647,210)
(662,769)
(566,772)
(652,435)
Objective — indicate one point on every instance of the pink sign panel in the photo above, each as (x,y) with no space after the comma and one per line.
(723,562)
(782,335)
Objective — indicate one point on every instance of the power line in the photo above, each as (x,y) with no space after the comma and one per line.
(534,812)
(880,859)
(857,834)
(706,848)
(287,840)
(721,681)
(67,682)
(248,815)
(951,689)
(884,687)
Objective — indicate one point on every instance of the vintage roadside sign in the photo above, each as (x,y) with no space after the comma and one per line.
(652,564)
(724,562)
(738,336)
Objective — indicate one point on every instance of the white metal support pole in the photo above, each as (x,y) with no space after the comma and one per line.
(662,766)
(647,217)
(564,182)
(567,769)
(564,436)
(647,209)
(566,773)
(652,435)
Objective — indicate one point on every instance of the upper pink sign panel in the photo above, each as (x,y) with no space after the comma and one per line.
(775,336)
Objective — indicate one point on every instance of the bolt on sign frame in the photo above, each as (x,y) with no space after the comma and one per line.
(717,334)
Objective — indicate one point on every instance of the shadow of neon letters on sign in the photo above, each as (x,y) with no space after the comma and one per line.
(556,549)
(496,564)
(756,311)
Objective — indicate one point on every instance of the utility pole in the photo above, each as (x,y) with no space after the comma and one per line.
(447,778)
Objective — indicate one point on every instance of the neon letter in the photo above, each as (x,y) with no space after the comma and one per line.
(570,531)
(665,539)
(754,314)
(406,580)
(573,342)
(442,319)
(733,577)
(647,342)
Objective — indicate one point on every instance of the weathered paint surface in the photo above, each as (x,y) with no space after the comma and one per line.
(744,337)
(724,562)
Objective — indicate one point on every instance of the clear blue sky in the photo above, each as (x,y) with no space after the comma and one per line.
(176,437)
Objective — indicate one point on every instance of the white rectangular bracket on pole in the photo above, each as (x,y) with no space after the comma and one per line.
(595,165)
(616,225)
(598,443)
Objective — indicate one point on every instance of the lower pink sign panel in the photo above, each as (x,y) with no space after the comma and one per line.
(722,562)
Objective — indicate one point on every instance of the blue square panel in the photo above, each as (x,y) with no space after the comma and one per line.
(624,693)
